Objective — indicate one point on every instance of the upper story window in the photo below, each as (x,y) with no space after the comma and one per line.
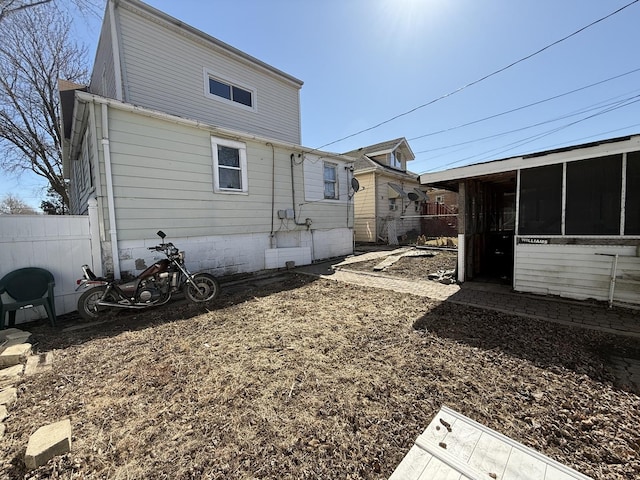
(330,181)
(229,166)
(226,91)
(396,159)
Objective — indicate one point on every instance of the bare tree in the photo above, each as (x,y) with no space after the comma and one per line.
(12,205)
(35,50)
(7,7)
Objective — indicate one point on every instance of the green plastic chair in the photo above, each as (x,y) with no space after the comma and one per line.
(26,287)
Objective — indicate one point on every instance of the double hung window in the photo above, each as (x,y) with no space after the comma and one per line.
(229,166)
(330,181)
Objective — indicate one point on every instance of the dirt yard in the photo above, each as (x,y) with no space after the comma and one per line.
(303,378)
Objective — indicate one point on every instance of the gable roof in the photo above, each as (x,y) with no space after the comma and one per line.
(382,148)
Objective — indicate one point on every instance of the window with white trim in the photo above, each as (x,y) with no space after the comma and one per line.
(229,166)
(227,91)
(396,159)
(330,181)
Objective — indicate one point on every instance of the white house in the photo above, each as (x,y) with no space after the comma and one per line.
(562,222)
(181,132)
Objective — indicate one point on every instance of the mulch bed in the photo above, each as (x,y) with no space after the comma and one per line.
(305,379)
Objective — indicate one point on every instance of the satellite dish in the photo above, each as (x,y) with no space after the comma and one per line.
(355,184)
(414,197)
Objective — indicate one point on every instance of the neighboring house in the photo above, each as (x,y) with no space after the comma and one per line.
(561,222)
(439,213)
(179,131)
(388,204)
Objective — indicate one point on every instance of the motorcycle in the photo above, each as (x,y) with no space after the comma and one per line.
(153,287)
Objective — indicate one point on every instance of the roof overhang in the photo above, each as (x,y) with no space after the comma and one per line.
(83,101)
(449,179)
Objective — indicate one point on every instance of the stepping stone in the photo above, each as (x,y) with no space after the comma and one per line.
(3,428)
(8,396)
(3,412)
(48,442)
(38,363)
(10,375)
(15,354)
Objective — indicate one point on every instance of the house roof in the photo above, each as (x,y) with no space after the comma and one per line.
(383,147)
(211,41)
(449,179)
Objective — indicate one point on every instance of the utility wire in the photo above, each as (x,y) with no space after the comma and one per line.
(482,78)
(524,106)
(524,141)
(568,115)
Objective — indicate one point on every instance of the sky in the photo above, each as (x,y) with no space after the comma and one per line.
(365,62)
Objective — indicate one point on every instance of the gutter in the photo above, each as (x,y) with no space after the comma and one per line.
(128,107)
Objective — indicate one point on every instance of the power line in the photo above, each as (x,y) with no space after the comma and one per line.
(594,106)
(524,141)
(431,102)
(524,106)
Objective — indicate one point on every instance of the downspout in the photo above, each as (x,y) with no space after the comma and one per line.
(273,193)
(110,201)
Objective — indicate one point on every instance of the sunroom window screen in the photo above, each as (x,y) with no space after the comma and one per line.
(541,201)
(632,203)
(594,189)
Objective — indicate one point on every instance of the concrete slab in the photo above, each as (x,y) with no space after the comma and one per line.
(3,428)
(15,354)
(48,442)
(3,412)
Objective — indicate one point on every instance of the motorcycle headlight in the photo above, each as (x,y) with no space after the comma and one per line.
(181,256)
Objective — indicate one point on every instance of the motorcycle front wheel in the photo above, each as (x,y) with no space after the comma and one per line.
(208,286)
(88,307)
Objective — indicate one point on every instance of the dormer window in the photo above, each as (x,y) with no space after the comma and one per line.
(226,91)
(396,159)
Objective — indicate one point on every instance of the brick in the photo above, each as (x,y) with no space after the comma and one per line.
(48,442)
(15,354)
(8,396)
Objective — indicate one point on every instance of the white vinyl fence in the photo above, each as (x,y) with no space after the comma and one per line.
(58,243)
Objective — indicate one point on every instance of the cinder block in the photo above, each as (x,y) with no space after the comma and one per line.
(15,354)
(48,442)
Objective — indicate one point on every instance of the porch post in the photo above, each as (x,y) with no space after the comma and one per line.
(461,230)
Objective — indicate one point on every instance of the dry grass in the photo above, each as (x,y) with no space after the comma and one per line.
(315,379)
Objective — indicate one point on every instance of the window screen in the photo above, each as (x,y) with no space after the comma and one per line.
(541,201)
(594,189)
(632,203)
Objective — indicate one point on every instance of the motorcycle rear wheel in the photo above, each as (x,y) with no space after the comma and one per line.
(88,307)
(208,285)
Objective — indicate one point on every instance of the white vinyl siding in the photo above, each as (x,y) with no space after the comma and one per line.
(164,71)
(314,179)
(103,81)
(163,176)
(577,271)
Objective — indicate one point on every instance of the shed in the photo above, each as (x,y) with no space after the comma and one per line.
(562,222)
